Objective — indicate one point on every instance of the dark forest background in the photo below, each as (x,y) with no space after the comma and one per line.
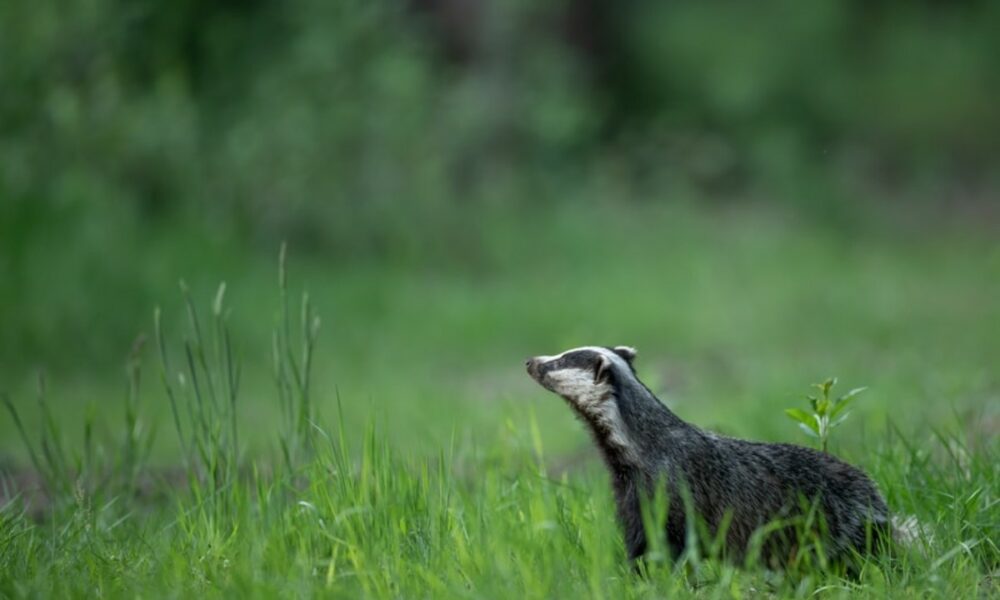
(141,140)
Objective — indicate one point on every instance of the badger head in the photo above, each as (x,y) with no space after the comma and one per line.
(589,379)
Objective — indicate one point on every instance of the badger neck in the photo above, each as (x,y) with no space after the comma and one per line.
(638,429)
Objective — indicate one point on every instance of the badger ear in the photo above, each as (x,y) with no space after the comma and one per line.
(626,352)
(602,369)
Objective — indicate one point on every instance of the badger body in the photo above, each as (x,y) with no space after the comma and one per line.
(709,476)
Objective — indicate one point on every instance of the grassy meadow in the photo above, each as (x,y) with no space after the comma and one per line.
(420,460)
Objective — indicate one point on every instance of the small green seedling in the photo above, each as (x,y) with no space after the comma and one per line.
(826,412)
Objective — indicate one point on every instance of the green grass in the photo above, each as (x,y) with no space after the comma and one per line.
(442,471)
(483,520)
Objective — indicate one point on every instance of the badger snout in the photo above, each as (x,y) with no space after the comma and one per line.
(533,367)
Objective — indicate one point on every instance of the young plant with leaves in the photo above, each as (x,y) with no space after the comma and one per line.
(827,412)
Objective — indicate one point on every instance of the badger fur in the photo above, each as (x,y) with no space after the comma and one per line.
(644,444)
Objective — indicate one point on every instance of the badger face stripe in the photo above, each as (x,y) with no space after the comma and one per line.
(578,385)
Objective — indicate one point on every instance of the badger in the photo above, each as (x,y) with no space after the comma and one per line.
(734,487)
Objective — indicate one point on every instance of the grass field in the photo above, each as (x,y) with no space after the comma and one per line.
(423,462)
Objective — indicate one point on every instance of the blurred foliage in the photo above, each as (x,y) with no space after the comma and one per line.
(387,131)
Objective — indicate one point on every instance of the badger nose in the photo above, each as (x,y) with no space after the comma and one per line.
(530,365)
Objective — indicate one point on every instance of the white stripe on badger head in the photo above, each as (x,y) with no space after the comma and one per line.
(579,386)
(599,349)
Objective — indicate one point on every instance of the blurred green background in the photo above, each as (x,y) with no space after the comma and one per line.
(756,195)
